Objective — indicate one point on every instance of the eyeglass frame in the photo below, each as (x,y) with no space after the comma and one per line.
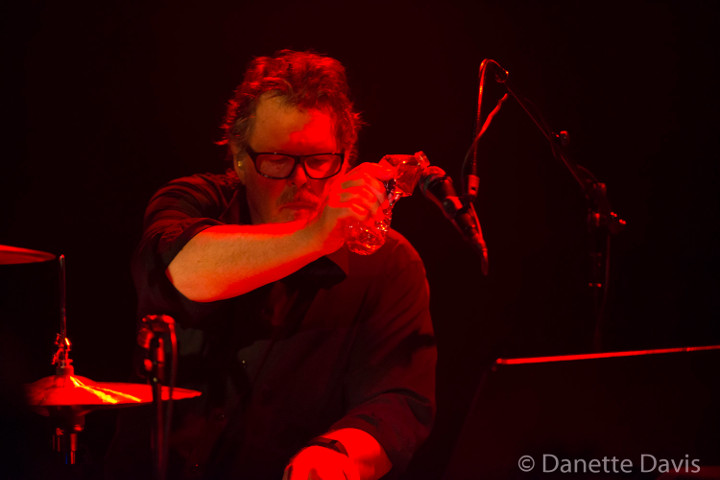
(299,159)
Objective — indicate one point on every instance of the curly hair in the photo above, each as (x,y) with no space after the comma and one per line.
(303,79)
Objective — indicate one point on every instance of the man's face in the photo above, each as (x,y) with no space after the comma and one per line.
(283,128)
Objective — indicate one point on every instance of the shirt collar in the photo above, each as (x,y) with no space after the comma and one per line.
(341,258)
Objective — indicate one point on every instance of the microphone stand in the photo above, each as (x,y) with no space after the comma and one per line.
(602,222)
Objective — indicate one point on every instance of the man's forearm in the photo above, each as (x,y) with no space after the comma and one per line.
(228,260)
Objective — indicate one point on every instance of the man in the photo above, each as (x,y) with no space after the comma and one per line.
(315,363)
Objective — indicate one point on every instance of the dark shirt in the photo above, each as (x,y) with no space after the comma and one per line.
(346,341)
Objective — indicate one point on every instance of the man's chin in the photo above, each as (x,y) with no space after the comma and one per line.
(296,214)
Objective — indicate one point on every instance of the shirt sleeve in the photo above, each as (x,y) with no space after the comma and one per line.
(176,213)
(390,388)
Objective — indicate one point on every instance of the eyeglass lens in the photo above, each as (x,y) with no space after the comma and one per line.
(316,166)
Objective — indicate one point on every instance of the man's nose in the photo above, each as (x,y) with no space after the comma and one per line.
(299,177)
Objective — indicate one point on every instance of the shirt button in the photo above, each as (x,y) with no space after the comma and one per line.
(196,471)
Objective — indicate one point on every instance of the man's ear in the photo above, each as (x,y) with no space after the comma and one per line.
(239,166)
(238,162)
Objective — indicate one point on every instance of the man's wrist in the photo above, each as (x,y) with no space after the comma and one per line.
(330,443)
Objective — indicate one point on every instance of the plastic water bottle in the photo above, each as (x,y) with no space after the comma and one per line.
(365,238)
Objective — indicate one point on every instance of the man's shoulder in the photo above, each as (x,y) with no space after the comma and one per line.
(206,181)
(199,195)
(201,187)
(398,243)
(393,269)
(396,252)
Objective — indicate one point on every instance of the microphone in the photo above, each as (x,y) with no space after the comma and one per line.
(151,340)
(437,186)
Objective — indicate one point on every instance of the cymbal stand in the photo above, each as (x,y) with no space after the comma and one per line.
(68,421)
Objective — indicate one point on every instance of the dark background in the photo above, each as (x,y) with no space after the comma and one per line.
(106,101)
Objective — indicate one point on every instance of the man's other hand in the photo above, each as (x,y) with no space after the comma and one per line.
(320,463)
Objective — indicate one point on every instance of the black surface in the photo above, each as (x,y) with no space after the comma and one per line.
(633,415)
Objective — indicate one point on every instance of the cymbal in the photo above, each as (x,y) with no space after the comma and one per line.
(14,255)
(76,391)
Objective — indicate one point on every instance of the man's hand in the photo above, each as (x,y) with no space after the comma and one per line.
(365,459)
(320,463)
(356,195)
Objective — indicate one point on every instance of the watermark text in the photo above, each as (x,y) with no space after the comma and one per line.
(645,463)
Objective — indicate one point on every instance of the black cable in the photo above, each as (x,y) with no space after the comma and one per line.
(501,74)
(473,145)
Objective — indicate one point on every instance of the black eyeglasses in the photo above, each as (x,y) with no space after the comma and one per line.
(280,166)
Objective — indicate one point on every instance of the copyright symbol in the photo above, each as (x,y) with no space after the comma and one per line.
(526,463)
